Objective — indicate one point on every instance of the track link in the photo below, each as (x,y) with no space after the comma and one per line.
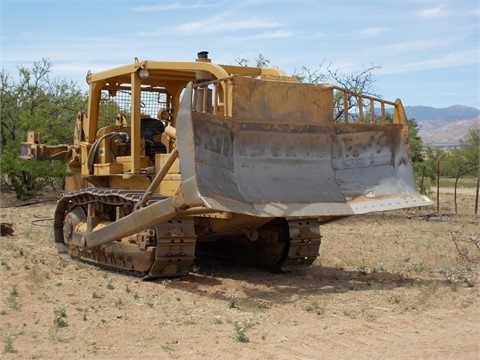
(305,240)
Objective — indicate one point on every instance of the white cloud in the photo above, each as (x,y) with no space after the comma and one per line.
(315,35)
(173,6)
(371,32)
(267,35)
(410,46)
(221,23)
(449,60)
(82,67)
(435,12)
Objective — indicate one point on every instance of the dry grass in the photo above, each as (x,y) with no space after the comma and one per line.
(382,281)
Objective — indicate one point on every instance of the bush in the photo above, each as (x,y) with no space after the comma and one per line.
(27,178)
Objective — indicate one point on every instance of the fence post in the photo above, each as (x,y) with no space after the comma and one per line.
(438,185)
(476,196)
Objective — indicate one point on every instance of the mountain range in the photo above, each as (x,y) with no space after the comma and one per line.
(444,126)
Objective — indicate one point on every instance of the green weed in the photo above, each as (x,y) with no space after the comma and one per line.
(110,285)
(12,299)
(240,331)
(316,306)
(458,275)
(8,347)
(96,296)
(59,319)
(169,346)
(232,301)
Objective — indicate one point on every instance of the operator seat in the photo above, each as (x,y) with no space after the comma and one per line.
(152,130)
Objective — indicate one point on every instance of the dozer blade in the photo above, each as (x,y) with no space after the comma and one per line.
(281,155)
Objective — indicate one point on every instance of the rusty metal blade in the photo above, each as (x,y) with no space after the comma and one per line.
(296,166)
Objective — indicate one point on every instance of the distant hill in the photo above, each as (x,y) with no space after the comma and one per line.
(448,134)
(444,126)
(449,114)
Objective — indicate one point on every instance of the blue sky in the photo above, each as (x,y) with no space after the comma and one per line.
(427,51)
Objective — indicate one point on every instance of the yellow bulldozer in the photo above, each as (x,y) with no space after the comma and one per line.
(173,160)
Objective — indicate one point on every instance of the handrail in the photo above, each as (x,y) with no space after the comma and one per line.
(372,117)
(220,96)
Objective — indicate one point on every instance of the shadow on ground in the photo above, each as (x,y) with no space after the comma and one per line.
(278,288)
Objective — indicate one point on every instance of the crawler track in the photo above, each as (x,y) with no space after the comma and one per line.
(168,249)
(162,251)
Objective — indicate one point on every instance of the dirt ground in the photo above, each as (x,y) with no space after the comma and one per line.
(397,285)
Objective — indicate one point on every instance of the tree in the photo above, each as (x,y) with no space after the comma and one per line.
(260,61)
(465,159)
(313,76)
(423,159)
(416,142)
(108,111)
(38,102)
(470,147)
(360,82)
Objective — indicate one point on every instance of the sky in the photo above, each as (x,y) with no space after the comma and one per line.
(424,52)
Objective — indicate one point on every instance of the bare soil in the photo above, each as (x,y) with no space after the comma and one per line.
(396,285)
